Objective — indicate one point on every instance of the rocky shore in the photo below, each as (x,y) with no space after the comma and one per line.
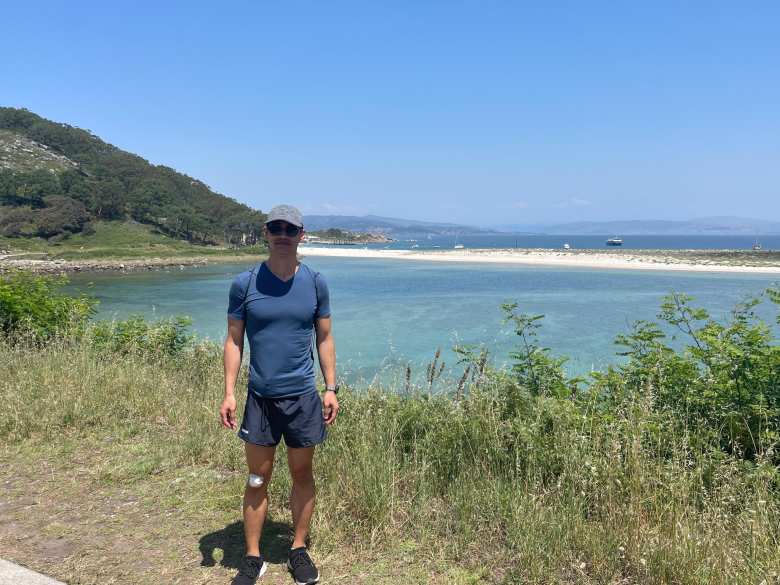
(47,266)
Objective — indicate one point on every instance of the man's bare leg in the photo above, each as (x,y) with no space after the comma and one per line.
(302,496)
(260,461)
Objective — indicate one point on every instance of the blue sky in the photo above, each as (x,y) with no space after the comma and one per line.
(476,112)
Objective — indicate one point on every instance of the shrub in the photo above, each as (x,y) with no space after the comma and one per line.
(61,215)
(137,336)
(32,308)
(17,221)
(724,385)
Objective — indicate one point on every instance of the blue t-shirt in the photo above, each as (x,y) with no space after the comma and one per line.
(279,322)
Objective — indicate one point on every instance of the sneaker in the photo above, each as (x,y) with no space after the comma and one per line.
(251,570)
(302,567)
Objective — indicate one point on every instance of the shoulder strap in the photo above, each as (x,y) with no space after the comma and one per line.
(316,292)
(248,284)
(316,308)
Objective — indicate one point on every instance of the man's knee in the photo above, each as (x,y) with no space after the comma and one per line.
(302,474)
(256,486)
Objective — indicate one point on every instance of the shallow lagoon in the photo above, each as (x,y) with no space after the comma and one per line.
(389,313)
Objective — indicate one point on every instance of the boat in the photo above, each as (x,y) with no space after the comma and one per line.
(615,241)
(756,246)
(415,245)
(566,246)
(459,246)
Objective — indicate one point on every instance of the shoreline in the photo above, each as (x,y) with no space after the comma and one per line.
(668,260)
(664,260)
(48,266)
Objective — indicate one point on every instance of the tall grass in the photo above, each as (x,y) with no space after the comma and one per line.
(518,486)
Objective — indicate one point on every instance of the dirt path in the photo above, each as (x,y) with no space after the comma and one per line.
(61,519)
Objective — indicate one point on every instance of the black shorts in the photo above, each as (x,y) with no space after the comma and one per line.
(296,418)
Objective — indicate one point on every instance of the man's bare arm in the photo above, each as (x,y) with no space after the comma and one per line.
(326,349)
(231,357)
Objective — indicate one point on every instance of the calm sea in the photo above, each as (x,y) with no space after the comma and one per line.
(390,313)
(587,242)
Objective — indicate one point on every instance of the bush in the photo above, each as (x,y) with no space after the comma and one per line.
(61,215)
(33,309)
(137,336)
(17,221)
(724,386)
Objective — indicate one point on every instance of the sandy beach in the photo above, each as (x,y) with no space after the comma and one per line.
(734,261)
(672,260)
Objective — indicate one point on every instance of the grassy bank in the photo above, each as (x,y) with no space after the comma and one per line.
(500,486)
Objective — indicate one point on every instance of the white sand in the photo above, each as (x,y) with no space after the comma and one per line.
(538,258)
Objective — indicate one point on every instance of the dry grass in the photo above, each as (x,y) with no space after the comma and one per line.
(115,471)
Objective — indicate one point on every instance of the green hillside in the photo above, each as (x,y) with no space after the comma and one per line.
(57,180)
(117,240)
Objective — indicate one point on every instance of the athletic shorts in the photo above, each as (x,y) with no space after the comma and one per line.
(297,418)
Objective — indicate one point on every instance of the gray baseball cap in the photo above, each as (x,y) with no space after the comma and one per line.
(286,213)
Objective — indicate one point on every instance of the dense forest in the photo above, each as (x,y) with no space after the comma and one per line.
(98,181)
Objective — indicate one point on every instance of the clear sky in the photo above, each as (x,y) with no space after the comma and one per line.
(477,112)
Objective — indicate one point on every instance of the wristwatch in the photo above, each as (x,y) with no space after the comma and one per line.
(332,388)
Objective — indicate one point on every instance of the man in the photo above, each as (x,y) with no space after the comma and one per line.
(277,305)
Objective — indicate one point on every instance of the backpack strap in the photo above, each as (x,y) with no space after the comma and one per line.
(316,308)
(248,284)
(316,293)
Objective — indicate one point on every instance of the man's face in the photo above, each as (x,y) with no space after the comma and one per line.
(282,235)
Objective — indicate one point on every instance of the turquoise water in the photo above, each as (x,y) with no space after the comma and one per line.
(389,313)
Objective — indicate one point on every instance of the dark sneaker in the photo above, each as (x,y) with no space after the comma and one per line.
(302,567)
(251,570)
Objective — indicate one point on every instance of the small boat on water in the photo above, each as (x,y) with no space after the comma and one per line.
(614,241)
(459,246)
(756,246)
(566,246)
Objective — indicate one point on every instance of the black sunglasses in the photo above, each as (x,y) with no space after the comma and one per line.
(276,228)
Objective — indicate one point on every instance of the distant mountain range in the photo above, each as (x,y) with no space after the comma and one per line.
(715,226)
(390,226)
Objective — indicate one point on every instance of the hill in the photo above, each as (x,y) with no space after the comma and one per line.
(56,180)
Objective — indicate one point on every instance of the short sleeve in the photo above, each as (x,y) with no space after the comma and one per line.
(236,305)
(323,297)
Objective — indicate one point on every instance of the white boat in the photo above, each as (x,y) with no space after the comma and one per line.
(614,241)
(566,246)
(757,246)
(459,246)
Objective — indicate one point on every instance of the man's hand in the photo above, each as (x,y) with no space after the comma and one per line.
(330,407)
(227,412)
